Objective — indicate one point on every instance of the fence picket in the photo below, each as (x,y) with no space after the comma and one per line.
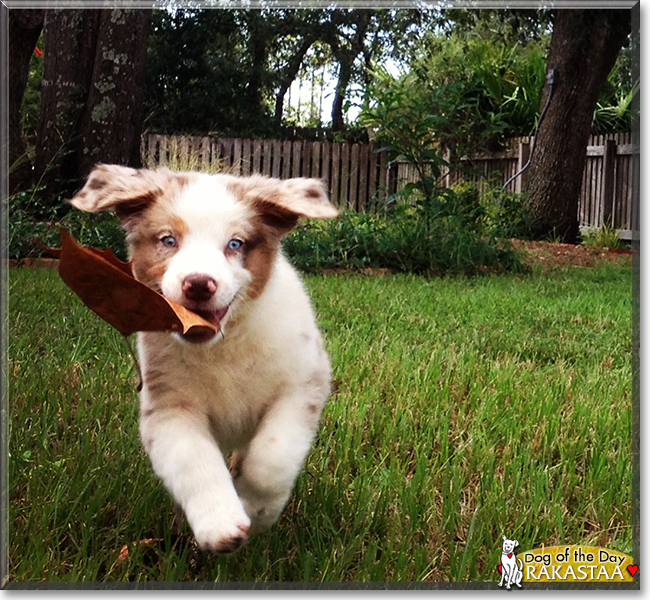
(362,197)
(336,173)
(353,177)
(296,156)
(345,175)
(325,172)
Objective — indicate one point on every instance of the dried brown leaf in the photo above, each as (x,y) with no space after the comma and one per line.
(106,285)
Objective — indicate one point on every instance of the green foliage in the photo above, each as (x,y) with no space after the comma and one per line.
(450,234)
(101,230)
(456,232)
(202,75)
(501,83)
(605,237)
(31,104)
(414,123)
(614,110)
(462,96)
(507,214)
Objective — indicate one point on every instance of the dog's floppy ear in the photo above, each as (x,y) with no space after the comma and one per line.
(516,543)
(121,189)
(306,198)
(282,203)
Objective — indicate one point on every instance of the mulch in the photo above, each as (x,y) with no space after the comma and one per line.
(550,254)
(35,263)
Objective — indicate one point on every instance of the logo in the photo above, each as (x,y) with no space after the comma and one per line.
(570,564)
(510,566)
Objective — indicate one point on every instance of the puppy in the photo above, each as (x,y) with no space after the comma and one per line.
(257,389)
(511,572)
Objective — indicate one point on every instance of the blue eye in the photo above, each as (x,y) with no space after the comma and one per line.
(169,241)
(234,244)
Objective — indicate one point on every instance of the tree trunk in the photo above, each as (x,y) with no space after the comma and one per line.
(289,76)
(91,103)
(25,27)
(346,58)
(112,117)
(345,72)
(69,38)
(583,50)
(257,49)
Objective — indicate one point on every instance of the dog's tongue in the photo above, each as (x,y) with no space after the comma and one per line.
(212,316)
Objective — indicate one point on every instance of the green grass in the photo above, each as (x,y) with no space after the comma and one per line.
(463,409)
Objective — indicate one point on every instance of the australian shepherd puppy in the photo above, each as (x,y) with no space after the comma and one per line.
(256,390)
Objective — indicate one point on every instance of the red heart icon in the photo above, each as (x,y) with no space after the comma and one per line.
(509,555)
(500,568)
(632,569)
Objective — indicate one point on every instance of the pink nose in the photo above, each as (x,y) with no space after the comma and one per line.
(199,287)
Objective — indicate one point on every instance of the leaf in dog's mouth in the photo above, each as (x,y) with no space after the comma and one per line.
(106,285)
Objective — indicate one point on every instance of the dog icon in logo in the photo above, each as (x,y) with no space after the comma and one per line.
(511,567)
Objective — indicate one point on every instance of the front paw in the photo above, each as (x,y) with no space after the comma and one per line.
(220,530)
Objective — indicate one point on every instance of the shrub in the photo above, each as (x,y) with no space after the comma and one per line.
(101,230)
(452,233)
(605,237)
(449,237)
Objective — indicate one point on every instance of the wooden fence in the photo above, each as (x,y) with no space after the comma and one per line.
(607,194)
(359,177)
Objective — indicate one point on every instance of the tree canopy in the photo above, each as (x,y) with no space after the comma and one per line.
(469,79)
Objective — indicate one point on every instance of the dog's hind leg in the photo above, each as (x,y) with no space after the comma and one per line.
(519,573)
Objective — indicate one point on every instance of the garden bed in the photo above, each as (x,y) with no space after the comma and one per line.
(551,254)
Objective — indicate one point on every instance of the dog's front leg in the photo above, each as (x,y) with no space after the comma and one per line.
(269,465)
(188,461)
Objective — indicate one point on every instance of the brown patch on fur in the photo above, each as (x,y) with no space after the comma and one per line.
(128,192)
(313,193)
(277,206)
(134,207)
(313,408)
(236,462)
(149,262)
(281,203)
(178,225)
(147,412)
(184,404)
(156,382)
(150,257)
(263,410)
(260,256)
(154,274)
(96,184)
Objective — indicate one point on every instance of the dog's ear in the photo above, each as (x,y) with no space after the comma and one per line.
(282,203)
(504,538)
(306,198)
(121,189)
(516,543)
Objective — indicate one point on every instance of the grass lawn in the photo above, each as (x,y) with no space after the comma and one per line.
(463,409)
